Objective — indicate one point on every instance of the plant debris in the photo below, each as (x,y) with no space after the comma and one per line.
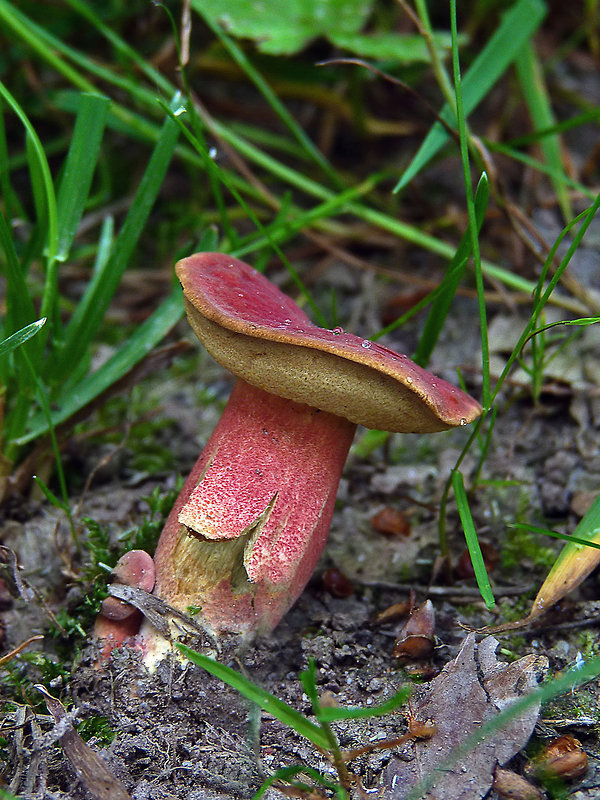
(472,689)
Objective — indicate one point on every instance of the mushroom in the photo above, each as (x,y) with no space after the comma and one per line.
(252,518)
(119,621)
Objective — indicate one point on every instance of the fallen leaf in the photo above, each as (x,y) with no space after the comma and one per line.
(88,766)
(562,757)
(470,691)
(416,640)
(511,786)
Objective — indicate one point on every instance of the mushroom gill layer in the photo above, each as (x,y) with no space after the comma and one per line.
(360,393)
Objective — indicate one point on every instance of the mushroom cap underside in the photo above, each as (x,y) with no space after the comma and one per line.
(263,337)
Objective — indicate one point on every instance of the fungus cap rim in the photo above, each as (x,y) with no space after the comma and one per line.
(270,328)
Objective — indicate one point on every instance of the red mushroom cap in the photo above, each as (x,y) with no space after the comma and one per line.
(249,326)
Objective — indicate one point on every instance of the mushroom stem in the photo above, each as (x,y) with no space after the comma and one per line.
(252,518)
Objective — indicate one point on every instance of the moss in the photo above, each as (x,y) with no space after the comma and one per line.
(587,643)
(520,545)
(98,728)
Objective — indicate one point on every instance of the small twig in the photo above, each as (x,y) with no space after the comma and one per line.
(560,626)
(37,766)
(20,719)
(19,648)
(359,62)
(186,30)
(443,591)
(156,611)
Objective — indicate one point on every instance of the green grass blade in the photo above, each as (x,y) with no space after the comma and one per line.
(45,199)
(53,499)
(330,713)
(147,336)
(443,299)
(542,293)
(556,175)
(20,337)
(12,204)
(41,42)
(89,313)
(134,125)
(535,92)
(373,216)
(50,48)
(590,115)
(79,168)
(473,227)
(36,180)
(19,305)
(142,64)
(105,243)
(43,401)
(481,576)
(268,702)
(263,87)
(592,528)
(516,28)
(215,171)
(45,45)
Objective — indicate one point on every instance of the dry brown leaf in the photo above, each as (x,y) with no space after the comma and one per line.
(471,690)
(88,766)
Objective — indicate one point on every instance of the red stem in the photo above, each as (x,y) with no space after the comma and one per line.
(251,521)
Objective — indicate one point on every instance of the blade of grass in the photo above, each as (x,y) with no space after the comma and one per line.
(590,115)
(214,169)
(19,305)
(79,168)
(263,87)
(543,293)
(90,311)
(12,205)
(517,26)
(20,337)
(540,166)
(565,537)
(43,186)
(583,322)
(533,86)
(44,44)
(377,218)
(331,714)
(147,336)
(38,188)
(268,702)
(105,244)
(473,227)
(481,576)
(43,401)
(50,496)
(441,304)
